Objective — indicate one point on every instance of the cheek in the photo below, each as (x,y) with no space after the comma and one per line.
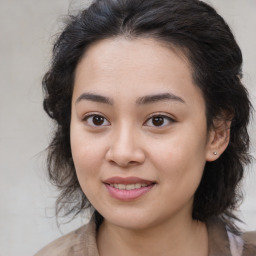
(87,157)
(86,152)
(181,160)
(180,149)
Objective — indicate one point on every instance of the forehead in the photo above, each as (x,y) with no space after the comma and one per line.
(134,66)
(143,53)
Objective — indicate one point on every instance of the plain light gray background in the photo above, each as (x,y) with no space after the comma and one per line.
(27,30)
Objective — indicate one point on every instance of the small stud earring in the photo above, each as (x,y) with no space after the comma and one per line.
(215,153)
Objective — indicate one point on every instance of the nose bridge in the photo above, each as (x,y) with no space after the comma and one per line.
(125,147)
(125,133)
(124,139)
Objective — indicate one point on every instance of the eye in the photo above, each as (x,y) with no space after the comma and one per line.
(159,121)
(96,120)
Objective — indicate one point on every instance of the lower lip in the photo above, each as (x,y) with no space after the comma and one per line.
(128,195)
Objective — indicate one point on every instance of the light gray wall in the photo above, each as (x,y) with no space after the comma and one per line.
(27,29)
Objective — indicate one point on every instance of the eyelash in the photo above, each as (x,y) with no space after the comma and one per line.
(164,117)
(92,115)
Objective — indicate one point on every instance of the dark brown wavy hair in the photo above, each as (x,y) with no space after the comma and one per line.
(202,35)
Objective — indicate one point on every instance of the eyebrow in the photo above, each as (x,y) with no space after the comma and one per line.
(158,97)
(148,99)
(95,98)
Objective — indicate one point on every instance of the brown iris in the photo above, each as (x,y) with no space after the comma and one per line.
(98,120)
(158,120)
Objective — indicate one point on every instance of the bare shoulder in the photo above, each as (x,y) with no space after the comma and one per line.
(69,244)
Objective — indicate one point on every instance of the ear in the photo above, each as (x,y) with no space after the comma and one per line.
(218,139)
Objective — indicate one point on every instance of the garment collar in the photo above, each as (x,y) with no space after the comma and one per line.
(217,236)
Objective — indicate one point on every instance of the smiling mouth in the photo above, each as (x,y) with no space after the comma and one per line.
(129,186)
(127,189)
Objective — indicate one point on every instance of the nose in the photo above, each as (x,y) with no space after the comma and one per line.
(125,149)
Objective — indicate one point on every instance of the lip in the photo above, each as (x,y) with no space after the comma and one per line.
(127,195)
(127,180)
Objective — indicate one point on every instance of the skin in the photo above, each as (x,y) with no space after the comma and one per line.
(128,143)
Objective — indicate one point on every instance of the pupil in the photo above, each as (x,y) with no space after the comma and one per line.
(98,120)
(158,121)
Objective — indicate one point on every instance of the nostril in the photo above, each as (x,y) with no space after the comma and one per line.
(124,156)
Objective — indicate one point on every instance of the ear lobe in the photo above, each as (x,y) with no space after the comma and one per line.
(218,139)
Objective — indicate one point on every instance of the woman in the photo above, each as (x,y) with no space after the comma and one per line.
(151,130)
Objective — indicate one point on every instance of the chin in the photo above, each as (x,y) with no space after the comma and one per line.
(131,221)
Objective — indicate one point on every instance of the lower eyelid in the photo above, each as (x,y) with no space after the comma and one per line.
(170,119)
(91,115)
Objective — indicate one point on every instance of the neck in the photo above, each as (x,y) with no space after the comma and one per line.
(177,237)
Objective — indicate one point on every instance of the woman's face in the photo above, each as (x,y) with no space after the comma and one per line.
(138,132)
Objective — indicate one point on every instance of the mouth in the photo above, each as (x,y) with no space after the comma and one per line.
(127,189)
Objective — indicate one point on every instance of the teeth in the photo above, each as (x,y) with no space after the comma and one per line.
(120,186)
(128,186)
(138,185)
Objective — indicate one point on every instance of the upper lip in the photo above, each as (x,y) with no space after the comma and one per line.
(127,180)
